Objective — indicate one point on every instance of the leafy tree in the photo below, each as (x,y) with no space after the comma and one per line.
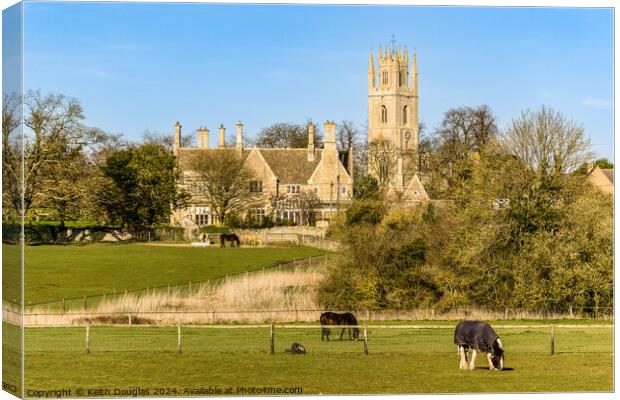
(366,188)
(585,168)
(365,212)
(142,187)
(226,181)
(511,237)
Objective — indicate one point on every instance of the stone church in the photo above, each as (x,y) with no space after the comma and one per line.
(328,173)
(393,117)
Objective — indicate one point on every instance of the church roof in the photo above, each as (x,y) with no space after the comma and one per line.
(291,165)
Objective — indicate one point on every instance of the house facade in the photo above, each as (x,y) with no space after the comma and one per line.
(282,177)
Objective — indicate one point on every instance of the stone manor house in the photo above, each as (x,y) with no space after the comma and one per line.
(327,172)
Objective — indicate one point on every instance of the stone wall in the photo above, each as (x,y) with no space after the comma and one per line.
(313,236)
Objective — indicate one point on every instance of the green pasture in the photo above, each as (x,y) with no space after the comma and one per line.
(54,272)
(400,360)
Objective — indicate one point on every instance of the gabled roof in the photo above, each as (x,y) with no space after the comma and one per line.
(609,173)
(186,154)
(291,165)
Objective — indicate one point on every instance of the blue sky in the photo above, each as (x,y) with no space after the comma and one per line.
(138,67)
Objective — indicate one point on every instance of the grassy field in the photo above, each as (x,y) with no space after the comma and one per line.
(399,360)
(72,271)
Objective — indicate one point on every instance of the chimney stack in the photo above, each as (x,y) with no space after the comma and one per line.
(203,138)
(330,135)
(310,141)
(222,134)
(239,143)
(177,138)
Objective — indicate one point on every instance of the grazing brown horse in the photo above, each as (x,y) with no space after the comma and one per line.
(332,318)
(229,237)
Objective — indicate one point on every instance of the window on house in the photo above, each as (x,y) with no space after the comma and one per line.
(344,190)
(293,189)
(257,214)
(383,114)
(316,190)
(256,186)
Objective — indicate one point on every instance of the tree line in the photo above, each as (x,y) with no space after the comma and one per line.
(516,225)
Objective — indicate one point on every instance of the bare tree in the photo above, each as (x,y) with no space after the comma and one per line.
(308,203)
(56,136)
(547,142)
(347,136)
(11,154)
(463,130)
(286,135)
(225,181)
(166,140)
(382,160)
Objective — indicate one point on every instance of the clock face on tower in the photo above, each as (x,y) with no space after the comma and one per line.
(407,135)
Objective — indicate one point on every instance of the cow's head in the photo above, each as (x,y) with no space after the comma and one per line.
(497,358)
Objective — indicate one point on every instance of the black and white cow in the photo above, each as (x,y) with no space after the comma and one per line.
(479,336)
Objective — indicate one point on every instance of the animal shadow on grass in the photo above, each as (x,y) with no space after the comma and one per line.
(487,368)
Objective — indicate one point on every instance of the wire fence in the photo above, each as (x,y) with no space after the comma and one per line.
(276,339)
(58,316)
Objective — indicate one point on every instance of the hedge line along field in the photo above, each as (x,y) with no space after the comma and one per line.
(399,360)
(54,272)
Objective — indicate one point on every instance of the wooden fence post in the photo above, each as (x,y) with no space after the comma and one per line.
(365,340)
(129,319)
(87,339)
(272,347)
(552,341)
(179,338)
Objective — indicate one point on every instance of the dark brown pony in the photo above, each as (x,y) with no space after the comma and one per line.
(332,318)
(229,237)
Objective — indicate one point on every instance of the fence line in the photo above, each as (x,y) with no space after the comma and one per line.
(322,259)
(276,338)
(163,317)
(309,326)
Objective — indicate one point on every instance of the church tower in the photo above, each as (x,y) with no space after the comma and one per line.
(393,105)
(393,100)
